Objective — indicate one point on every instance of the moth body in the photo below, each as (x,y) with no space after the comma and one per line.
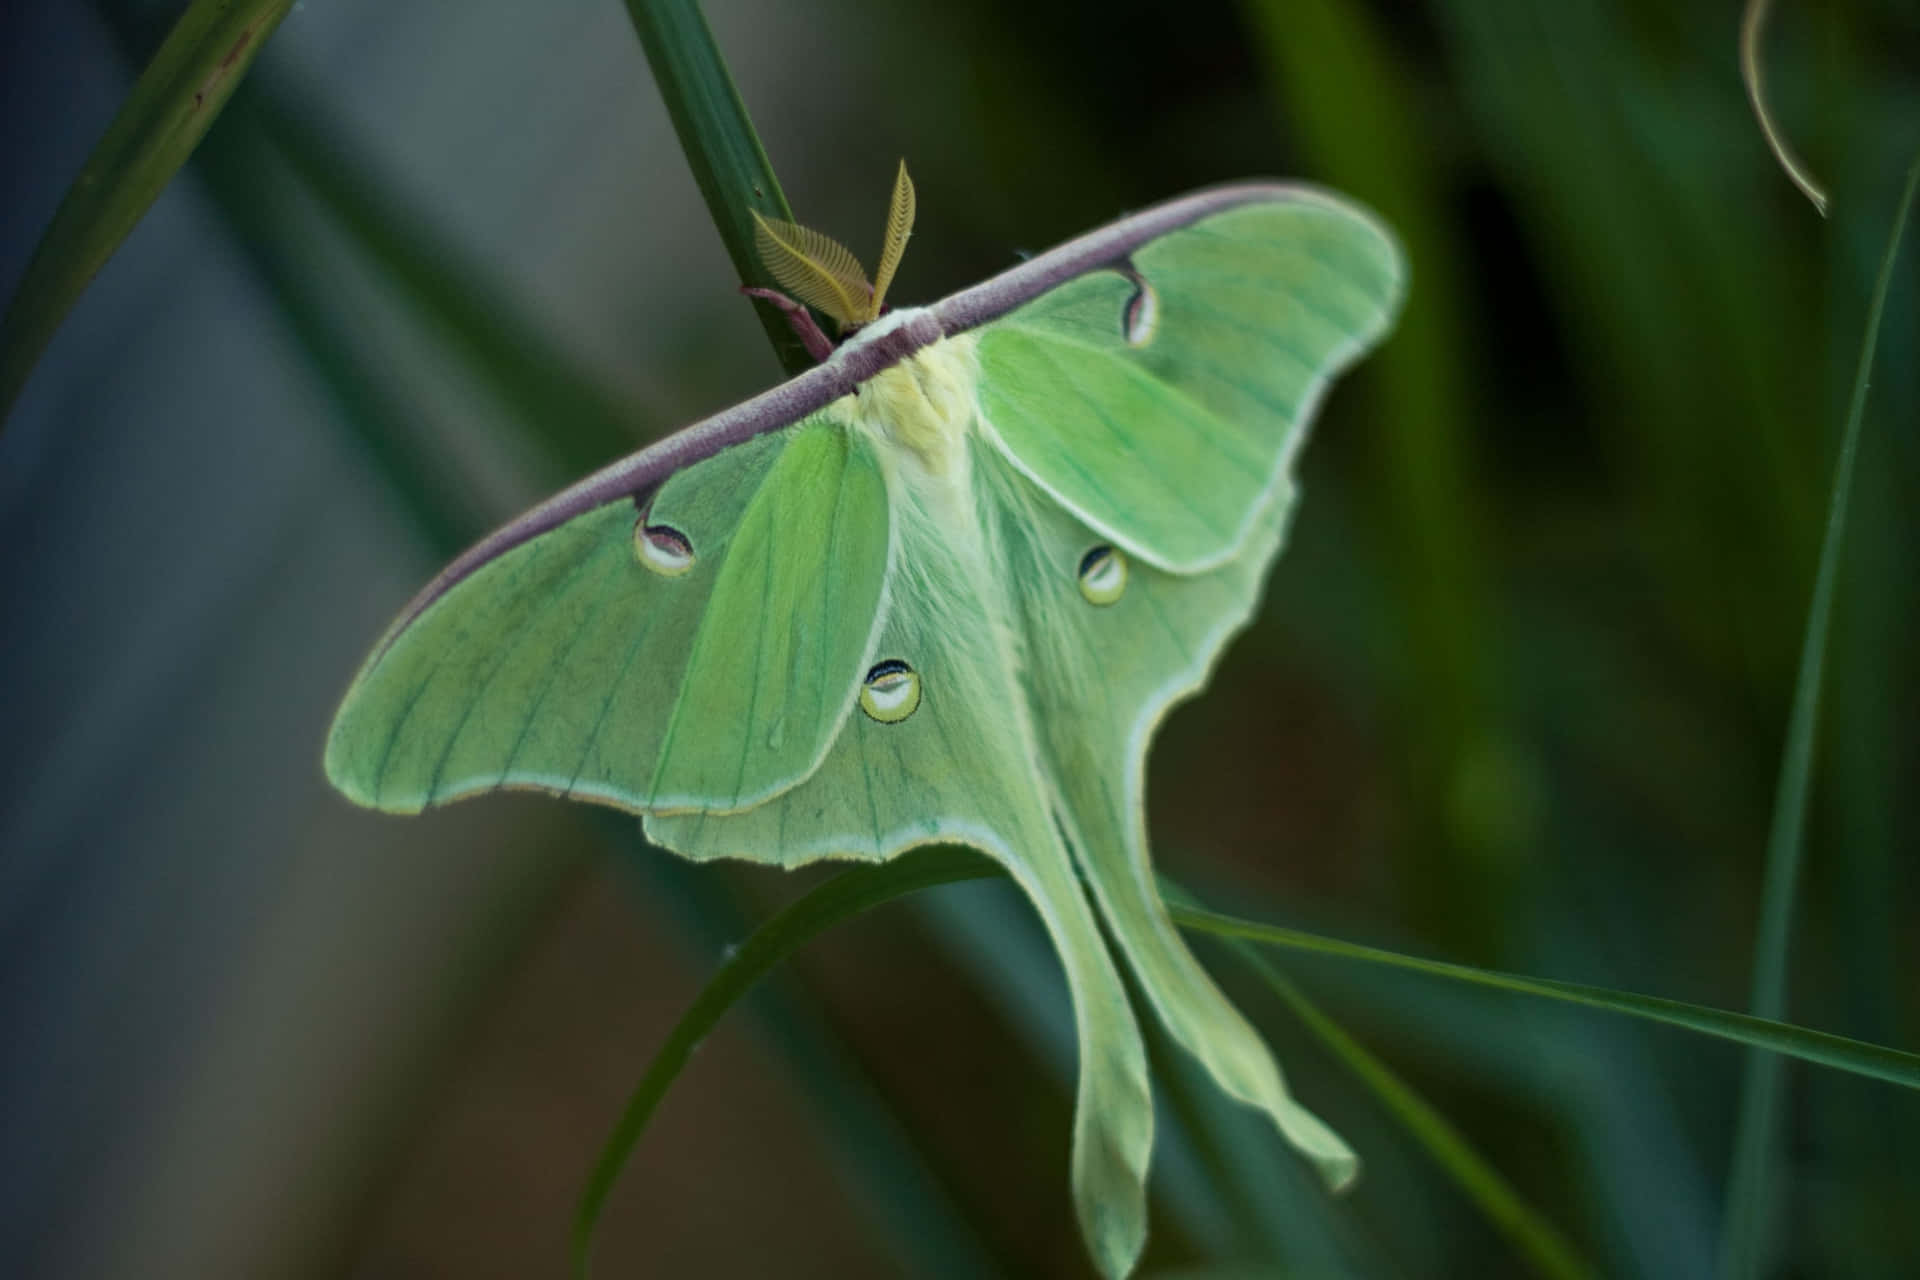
(924,405)
(918,417)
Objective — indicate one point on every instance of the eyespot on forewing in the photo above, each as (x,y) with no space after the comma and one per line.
(662,548)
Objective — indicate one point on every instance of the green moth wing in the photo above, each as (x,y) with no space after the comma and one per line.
(941,588)
(1128,642)
(1161,400)
(595,659)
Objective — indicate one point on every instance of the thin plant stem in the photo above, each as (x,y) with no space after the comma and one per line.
(721,147)
(847,895)
(1744,1248)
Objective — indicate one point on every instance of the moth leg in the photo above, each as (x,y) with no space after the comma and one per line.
(818,345)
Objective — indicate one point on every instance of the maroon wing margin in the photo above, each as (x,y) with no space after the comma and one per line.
(781,406)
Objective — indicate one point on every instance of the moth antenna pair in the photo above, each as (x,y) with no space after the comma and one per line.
(822,273)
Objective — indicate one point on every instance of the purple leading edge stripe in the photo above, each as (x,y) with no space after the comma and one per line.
(849,366)
(994,297)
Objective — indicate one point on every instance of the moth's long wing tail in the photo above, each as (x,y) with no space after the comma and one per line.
(1108,652)
(1113,1115)
(1190,1005)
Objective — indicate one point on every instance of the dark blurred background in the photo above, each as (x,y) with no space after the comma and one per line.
(1516,698)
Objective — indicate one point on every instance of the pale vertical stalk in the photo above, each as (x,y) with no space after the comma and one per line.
(1752,25)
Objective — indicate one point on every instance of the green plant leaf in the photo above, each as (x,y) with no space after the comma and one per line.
(874,1149)
(846,895)
(174,101)
(1878,1061)
(1744,1247)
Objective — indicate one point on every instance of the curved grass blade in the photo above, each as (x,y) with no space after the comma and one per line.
(1536,1239)
(1743,1247)
(846,895)
(174,101)
(1878,1061)
(1752,24)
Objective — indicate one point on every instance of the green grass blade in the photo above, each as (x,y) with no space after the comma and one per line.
(174,101)
(1858,1057)
(1744,1246)
(721,147)
(897,1183)
(846,895)
(1536,1239)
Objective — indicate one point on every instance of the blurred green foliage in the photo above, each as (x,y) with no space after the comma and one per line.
(1519,691)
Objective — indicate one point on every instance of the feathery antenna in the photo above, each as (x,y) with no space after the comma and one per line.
(822,273)
(899,230)
(816,270)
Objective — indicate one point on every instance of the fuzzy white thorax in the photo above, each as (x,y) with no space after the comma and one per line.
(919,412)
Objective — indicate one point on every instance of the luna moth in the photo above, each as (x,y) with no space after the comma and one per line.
(942,587)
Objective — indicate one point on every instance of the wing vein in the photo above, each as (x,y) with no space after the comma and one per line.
(598,611)
(1127,446)
(477,693)
(536,552)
